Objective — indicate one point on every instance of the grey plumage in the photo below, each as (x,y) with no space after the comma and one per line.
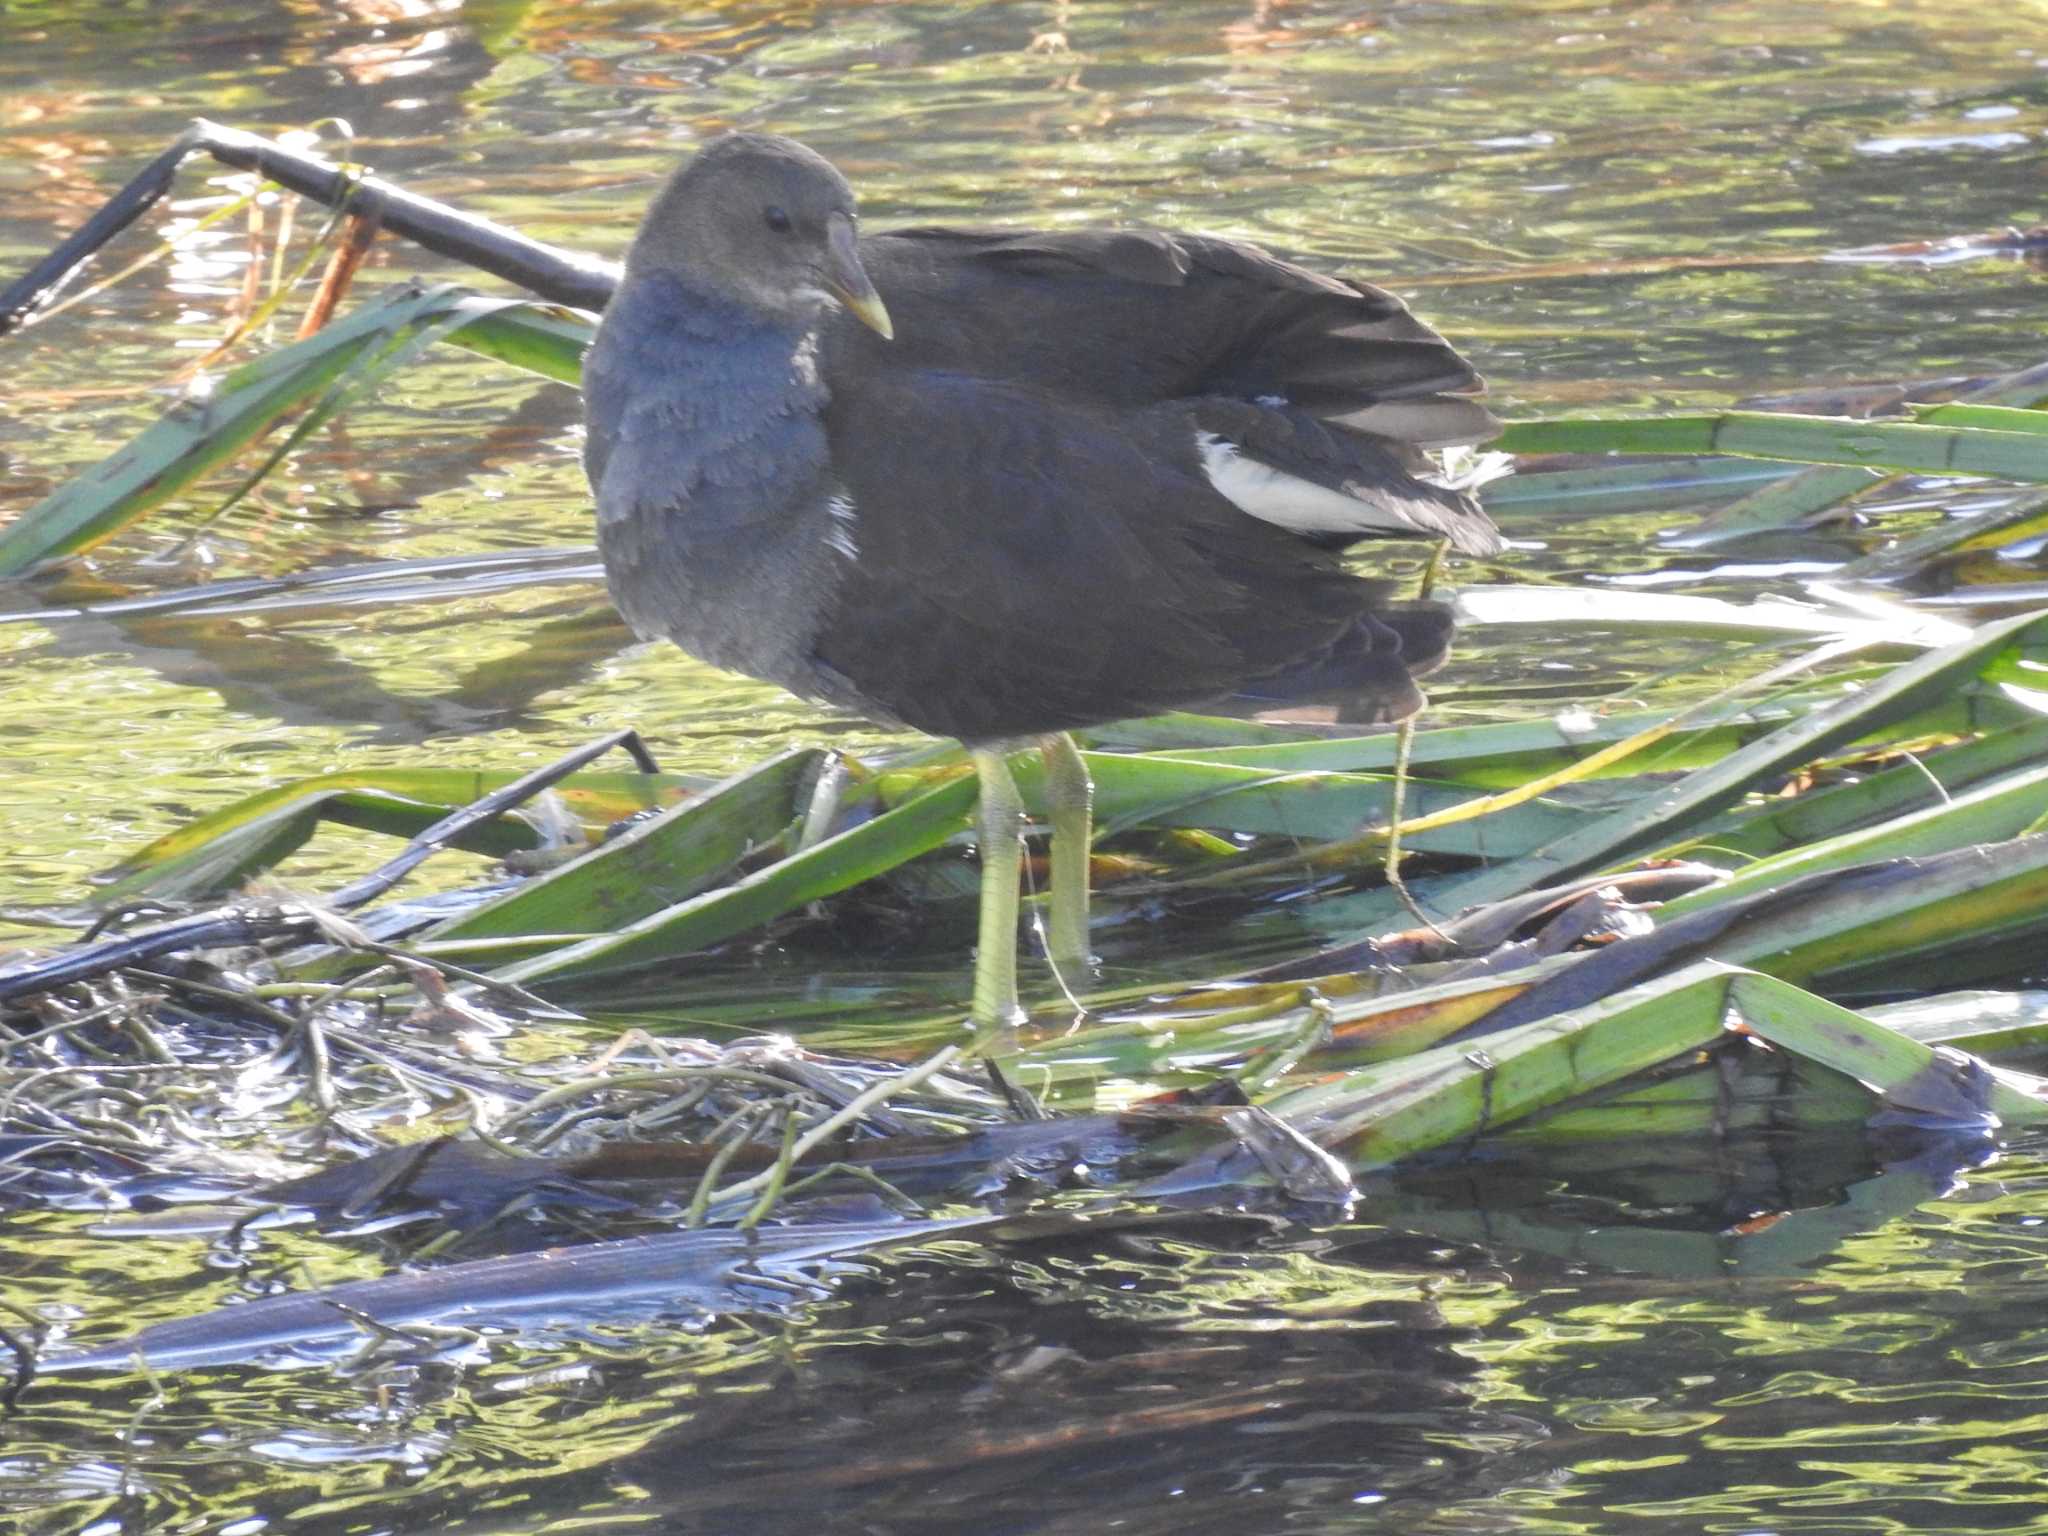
(1009,519)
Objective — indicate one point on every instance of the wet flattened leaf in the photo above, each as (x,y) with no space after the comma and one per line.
(1504,754)
(1911,911)
(324,372)
(1990,813)
(654,865)
(1878,917)
(1638,485)
(546,339)
(822,870)
(1382,1114)
(1788,503)
(1901,694)
(1310,805)
(1807,495)
(1939,1081)
(1924,778)
(213,854)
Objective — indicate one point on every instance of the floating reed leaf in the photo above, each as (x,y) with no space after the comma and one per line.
(824,869)
(211,856)
(319,374)
(1887,445)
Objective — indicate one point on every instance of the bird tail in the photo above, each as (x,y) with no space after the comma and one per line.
(1366,677)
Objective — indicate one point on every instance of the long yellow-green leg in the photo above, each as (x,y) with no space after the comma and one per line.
(828,792)
(1002,863)
(1071,798)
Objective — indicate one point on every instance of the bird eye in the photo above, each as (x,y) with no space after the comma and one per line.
(777,220)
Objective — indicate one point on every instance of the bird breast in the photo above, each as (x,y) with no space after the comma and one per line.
(717,520)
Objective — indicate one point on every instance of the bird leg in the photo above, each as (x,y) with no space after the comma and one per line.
(1002,863)
(828,794)
(1070,797)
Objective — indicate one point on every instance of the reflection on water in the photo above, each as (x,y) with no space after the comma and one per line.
(1512,1348)
(1493,1350)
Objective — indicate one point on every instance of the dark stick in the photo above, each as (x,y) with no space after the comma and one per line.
(477,812)
(205,930)
(119,211)
(558,275)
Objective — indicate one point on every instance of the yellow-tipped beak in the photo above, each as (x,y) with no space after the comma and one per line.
(848,279)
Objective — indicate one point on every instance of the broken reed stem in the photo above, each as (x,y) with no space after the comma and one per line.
(627,1082)
(742,1124)
(778,1176)
(114,279)
(879,1094)
(342,266)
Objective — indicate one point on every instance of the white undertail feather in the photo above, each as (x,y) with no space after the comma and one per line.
(1288,501)
(1301,506)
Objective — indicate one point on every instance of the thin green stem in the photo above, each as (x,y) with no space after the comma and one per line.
(1404,746)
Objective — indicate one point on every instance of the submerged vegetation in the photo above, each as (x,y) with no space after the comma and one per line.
(1608,923)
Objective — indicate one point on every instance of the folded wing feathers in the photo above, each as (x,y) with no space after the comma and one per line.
(1143,256)
(1329,355)
(1427,421)
(1345,396)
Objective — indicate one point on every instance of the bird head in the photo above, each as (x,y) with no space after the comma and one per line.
(764,223)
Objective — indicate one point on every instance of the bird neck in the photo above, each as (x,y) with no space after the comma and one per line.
(702,358)
(708,454)
(679,300)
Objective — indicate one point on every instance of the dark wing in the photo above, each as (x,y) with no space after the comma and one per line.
(1166,317)
(1023,563)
